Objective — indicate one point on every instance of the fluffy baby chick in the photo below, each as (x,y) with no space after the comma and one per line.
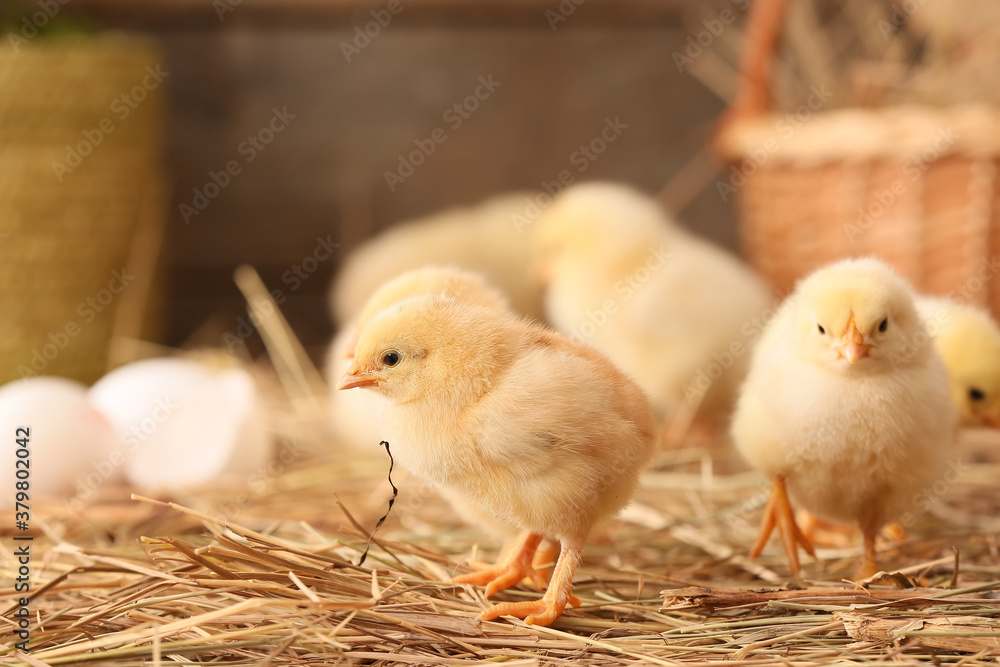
(449,281)
(482,238)
(968,340)
(356,415)
(536,430)
(846,405)
(669,309)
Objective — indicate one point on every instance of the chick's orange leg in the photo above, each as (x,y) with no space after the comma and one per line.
(545,559)
(824,533)
(894,532)
(513,567)
(557,595)
(778,512)
(829,534)
(543,562)
(869,562)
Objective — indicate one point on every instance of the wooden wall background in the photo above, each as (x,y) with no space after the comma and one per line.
(324,174)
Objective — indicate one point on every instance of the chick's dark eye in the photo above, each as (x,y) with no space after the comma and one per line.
(390,358)
(976,394)
(883,325)
(821,329)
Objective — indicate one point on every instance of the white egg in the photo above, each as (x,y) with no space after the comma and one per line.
(70,442)
(182,423)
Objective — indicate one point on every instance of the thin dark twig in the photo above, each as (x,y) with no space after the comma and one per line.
(395,492)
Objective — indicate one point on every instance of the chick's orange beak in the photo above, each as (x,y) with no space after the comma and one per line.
(852,345)
(356,377)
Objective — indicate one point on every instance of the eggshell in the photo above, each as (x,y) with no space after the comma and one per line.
(182,423)
(69,441)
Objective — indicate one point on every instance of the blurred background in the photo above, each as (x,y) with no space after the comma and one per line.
(182,138)
(349,106)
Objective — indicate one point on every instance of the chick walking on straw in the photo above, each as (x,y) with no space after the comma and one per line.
(846,406)
(356,416)
(538,431)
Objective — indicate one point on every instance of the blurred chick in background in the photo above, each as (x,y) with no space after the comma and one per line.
(536,430)
(968,340)
(846,406)
(666,307)
(480,238)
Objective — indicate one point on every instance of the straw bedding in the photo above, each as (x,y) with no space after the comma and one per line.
(262,571)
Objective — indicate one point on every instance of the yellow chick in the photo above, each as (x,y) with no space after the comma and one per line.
(448,281)
(846,405)
(482,238)
(968,340)
(674,312)
(535,430)
(356,415)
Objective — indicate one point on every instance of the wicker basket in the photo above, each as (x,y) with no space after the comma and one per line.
(61,241)
(917,186)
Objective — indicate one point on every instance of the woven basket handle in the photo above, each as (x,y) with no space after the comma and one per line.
(753,92)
